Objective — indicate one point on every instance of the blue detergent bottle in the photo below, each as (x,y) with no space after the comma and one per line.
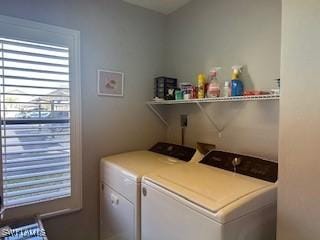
(237,88)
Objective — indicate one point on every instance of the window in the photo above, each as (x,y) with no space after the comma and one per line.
(40,118)
(35,126)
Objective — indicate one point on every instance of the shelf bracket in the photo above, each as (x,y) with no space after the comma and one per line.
(213,123)
(158,114)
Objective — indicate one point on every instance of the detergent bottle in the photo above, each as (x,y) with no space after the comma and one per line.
(201,85)
(237,88)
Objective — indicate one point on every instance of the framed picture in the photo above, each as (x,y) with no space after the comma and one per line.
(110,83)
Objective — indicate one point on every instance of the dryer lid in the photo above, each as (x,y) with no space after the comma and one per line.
(136,164)
(208,187)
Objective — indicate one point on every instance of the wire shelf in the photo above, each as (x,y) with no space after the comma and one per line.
(215,100)
(152,105)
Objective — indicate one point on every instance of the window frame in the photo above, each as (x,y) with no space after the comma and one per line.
(25,30)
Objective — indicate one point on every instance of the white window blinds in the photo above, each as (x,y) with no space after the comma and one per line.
(35,122)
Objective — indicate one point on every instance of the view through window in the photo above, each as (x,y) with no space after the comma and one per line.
(35,122)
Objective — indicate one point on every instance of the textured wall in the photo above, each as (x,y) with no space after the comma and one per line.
(207,33)
(117,36)
(298,195)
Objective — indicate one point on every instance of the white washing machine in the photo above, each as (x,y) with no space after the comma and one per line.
(121,187)
(225,197)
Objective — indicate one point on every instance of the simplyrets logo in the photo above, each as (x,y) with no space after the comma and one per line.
(22,232)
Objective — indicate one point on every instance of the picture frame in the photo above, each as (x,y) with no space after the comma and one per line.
(110,83)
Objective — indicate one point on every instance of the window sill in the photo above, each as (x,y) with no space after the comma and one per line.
(59,213)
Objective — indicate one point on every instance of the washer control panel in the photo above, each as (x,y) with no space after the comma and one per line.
(173,150)
(245,165)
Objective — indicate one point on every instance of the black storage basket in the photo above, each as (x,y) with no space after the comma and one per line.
(162,86)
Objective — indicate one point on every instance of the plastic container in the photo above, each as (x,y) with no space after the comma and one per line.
(187,96)
(178,94)
(237,88)
(226,89)
(213,88)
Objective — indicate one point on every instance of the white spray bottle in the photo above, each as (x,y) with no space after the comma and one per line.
(213,88)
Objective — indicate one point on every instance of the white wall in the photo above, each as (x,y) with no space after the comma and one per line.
(298,196)
(207,33)
(116,36)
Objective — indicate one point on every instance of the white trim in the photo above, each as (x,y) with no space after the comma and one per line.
(26,30)
(77,118)
(105,94)
(2,208)
(38,26)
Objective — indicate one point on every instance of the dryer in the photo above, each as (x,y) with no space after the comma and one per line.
(225,197)
(120,180)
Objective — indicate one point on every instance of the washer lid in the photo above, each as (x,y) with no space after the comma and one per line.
(210,188)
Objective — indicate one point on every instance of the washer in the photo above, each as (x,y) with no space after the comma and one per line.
(121,186)
(225,197)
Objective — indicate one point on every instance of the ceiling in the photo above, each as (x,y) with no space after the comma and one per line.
(162,6)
